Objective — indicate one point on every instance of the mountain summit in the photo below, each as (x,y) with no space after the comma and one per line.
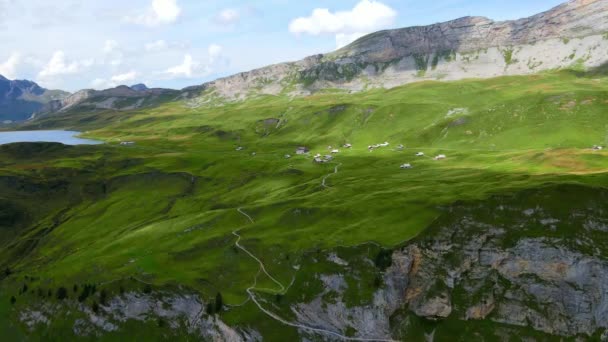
(572,35)
(139,87)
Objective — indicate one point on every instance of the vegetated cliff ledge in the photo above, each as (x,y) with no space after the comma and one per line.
(572,35)
(531,265)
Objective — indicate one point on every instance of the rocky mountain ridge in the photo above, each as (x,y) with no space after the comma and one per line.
(118,98)
(22,100)
(572,35)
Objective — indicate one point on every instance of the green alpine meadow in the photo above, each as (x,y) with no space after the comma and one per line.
(449,191)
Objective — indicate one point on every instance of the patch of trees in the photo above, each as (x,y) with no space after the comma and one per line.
(210,309)
(87,290)
(377,281)
(13,300)
(62,293)
(219,302)
(215,307)
(384,259)
(103,297)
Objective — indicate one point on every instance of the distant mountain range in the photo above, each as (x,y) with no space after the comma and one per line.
(119,98)
(20,99)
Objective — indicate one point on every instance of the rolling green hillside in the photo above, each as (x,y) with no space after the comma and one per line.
(163,214)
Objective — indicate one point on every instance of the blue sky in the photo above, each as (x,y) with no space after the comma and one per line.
(76,44)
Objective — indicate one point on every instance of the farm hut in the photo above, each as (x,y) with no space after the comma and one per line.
(302,150)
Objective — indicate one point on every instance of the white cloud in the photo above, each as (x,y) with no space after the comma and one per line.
(160,12)
(190,68)
(8,69)
(186,69)
(366,17)
(228,16)
(163,45)
(215,52)
(113,54)
(114,81)
(158,45)
(122,78)
(59,65)
(100,83)
(110,46)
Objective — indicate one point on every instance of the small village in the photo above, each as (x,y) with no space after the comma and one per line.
(322,158)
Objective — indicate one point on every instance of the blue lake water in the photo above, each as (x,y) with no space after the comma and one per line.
(64,137)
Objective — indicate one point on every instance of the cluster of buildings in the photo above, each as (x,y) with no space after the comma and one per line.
(375,146)
(323,159)
(320,159)
(421,154)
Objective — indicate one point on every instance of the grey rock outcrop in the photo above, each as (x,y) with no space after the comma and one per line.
(181,312)
(494,262)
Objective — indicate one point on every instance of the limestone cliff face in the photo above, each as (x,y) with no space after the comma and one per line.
(574,19)
(572,35)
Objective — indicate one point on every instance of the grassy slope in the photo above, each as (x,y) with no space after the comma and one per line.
(164,210)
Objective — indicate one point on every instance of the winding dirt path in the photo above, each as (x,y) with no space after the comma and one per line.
(250,291)
(325,178)
(262,266)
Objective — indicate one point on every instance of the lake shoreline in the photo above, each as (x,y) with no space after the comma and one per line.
(57,136)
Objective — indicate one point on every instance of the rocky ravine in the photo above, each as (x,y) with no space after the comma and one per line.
(570,35)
